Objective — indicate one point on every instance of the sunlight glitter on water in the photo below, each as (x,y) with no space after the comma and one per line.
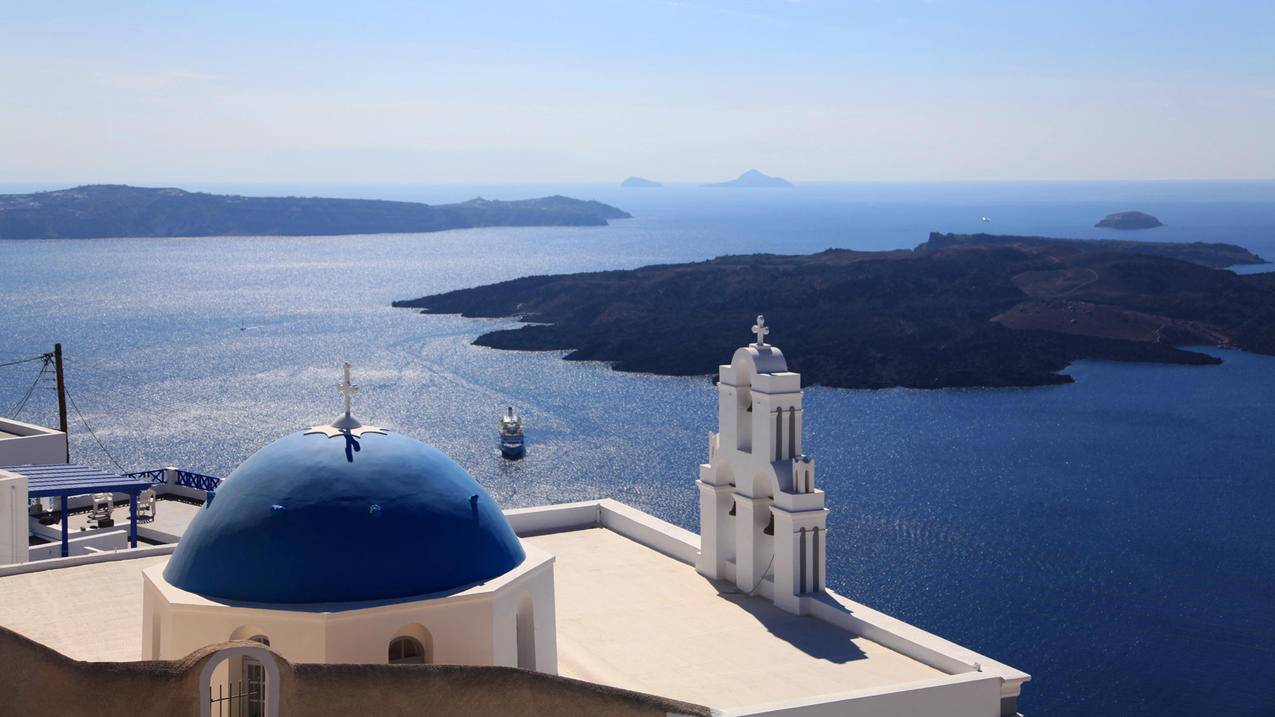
(1076,532)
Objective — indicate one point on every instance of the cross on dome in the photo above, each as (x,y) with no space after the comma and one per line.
(346,423)
(761,330)
(347,389)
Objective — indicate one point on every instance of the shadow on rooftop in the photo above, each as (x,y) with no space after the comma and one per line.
(816,638)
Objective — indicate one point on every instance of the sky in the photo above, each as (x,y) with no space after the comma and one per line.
(596,90)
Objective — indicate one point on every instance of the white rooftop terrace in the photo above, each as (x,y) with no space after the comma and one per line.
(171,520)
(89,612)
(632,617)
(632,612)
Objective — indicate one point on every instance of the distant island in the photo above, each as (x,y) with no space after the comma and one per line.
(958,310)
(1129,220)
(112,210)
(753,178)
(639,182)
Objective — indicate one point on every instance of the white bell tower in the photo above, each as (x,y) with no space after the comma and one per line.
(763,523)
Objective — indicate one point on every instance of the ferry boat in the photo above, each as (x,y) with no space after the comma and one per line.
(511,439)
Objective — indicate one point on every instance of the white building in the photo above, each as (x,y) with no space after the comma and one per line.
(22,443)
(28,443)
(347,543)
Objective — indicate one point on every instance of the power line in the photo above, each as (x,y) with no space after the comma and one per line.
(91,433)
(13,413)
(42,357)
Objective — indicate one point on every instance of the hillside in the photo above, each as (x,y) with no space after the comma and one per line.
(1215,255)
(951,313)
(123,211)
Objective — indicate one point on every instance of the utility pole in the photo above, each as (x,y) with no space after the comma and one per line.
(57,366)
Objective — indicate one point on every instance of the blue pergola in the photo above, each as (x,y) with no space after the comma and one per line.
(63,480)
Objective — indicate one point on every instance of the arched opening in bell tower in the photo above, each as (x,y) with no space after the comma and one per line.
(743,406)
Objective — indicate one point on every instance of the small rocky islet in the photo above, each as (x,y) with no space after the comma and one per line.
(753,179)
(640,183)
(1129,220)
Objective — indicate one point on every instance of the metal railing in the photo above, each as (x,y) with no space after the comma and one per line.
(189,479)
(238,699)
(198,481)
(155,476)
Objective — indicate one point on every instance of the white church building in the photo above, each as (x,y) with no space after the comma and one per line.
(346,544)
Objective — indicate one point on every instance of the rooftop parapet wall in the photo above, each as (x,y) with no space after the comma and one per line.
(642,528)
(21,429)
(963,696)
(22,443)
(37,681)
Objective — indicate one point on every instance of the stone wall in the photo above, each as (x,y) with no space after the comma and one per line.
(39,682)
(460,691)
(36,681)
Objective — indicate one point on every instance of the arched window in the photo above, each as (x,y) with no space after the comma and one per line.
(254,685)
(406,650)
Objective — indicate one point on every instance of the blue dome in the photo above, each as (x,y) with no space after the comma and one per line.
(313,519)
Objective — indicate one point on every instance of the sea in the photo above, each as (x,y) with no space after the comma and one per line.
(1114,537)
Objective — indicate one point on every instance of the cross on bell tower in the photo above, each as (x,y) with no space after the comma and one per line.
(761,330)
